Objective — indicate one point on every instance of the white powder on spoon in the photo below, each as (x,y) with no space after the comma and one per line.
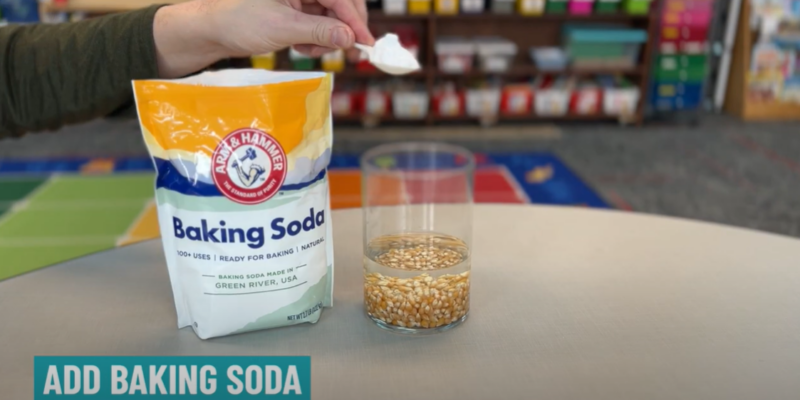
(390,56)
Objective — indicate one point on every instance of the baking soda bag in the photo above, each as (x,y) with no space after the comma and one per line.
(242,194)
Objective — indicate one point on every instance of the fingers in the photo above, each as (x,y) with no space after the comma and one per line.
(313,51)
(354,55)
(313,9)
(361,7)
(349,13)
(317,30)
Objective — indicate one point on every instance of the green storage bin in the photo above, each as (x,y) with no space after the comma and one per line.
(606,7)
(592,46)
(303,64)
(555,7)
(682,68)
(636,7)
(596,50)
(682,61)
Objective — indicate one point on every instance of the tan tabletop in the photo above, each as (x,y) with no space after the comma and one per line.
(567,303)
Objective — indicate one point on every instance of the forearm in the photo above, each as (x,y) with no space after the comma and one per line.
(53,75)
(183,35)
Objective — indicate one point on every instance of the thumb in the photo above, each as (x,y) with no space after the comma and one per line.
(319,30)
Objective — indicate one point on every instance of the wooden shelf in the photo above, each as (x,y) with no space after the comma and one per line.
(525,31)
(737,101)
(524,71)
(543,17)
(771,111)
(355,74)
(520,71)
(379,16)
(111,6)
(467,118)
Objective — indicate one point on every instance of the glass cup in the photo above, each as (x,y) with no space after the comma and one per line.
(417,205)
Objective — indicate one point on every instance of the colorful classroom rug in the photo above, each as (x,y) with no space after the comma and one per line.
(52,211)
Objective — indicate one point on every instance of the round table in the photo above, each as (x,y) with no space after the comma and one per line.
(567,303)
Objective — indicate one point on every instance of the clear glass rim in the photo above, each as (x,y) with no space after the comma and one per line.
(432,147)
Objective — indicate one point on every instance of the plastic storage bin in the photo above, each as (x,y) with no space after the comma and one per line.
(581,7)
(636,7)
(333,61)
(377,102)
(517,99)
(603,47)
(682,47)
(687,18)
(419,7)
(606,6)
(549,59)
(531,7)
(503,6)
(455,55)
(551,97)
(445,7)
(587,99)
(688,5)
(472,6)
(448,102)
(556,7)
(300,61)
(410,105)
(671,96)
(395,7)
(683,68)
(263,61)
(484,102)
(620,101)
(684,33)
(495,54)
(620,97)
(343,103)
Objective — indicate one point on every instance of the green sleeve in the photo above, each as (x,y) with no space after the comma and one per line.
(57,74)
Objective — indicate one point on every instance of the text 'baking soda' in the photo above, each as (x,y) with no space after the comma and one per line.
(242,191)
(253,236)
(168,377)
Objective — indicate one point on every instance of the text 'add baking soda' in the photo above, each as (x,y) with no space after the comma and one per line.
(241,187)
(169,377)
(249,166)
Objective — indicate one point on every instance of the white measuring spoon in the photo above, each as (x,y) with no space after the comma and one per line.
(389,56)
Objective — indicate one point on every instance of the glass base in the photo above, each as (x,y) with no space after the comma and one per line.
(417,331)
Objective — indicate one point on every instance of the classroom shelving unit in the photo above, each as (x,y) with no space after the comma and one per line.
(738,101)
(525,31)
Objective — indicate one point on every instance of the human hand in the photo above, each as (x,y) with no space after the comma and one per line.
(191,35)
(312,27)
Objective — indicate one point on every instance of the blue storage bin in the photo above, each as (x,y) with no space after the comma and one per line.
(603,45)
(671,96)
(603,34)
(549,59)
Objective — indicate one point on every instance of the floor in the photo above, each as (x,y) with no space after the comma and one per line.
(56,209)
(722,170)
